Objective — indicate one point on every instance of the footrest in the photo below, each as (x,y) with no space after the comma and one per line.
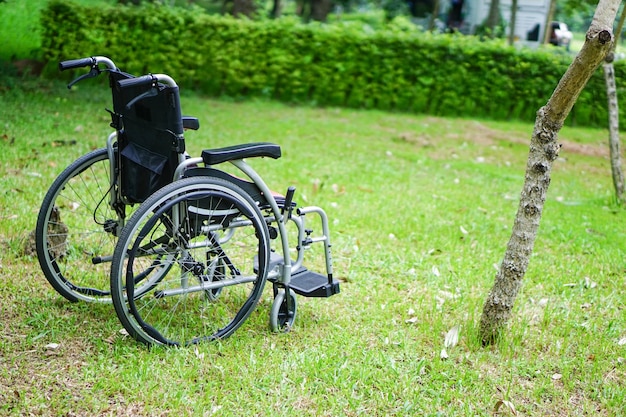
(311,284)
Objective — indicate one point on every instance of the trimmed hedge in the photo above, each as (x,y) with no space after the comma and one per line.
(329,65)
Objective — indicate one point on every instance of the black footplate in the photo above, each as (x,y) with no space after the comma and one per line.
(311,284)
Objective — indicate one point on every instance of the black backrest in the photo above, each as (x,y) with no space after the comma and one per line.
(149,137)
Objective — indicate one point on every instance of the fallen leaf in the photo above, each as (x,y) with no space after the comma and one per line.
(622,341)
(556,377)
(589,283)
(452,337)
(443,355)
(507,404)
(198,354)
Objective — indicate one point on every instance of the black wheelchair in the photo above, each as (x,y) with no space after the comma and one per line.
(181,248)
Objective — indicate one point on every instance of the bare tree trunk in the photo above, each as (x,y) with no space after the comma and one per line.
(244,7)
(320,9)
(277,9)
(614,143)
(544,149)
(512,22)
(493,18)
(611,92)
(548,32)
(433,15)
(300,7)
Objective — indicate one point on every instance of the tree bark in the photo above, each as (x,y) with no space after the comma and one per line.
(544,149)
(512,22)
(493,18)
(320,9)
(548,32)
(277,9)
(244,7)
(433,16)
(611,93)
(614,142)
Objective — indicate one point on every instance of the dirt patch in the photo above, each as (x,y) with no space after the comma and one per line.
(484,135)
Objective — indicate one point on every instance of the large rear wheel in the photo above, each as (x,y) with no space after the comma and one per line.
(77,230)
(191,263)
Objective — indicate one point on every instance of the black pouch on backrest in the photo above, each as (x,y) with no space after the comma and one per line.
(148,138)
(143,172)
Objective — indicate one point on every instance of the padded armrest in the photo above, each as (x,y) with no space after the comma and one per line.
(191,123)
(247,150)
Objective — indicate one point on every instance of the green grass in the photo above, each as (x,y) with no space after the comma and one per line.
(21,33)
(421,210)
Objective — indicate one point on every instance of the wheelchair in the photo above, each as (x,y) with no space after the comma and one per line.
(182,248)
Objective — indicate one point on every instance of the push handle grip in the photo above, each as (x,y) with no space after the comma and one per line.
(137,81)
(76,63)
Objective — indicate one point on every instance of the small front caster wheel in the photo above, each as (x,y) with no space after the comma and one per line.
(283,312)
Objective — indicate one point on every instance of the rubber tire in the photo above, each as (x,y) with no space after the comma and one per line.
(147,317)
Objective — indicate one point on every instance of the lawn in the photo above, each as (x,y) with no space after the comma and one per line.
(421,210)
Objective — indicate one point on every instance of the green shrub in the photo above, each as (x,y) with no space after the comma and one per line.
(343,64)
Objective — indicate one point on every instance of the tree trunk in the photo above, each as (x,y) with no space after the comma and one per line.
(614,145)
(512,22)
(277,8)
(493,18)
(611,93)
(244,7)
(544,149)
(548,32)
(320,9)
(433,16)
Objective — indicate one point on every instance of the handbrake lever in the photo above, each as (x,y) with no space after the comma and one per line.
(152,92)
(144,80)
(94,72)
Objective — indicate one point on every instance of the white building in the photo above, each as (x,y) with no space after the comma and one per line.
(530,19)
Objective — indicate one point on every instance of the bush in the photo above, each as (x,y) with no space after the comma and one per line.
(332,65)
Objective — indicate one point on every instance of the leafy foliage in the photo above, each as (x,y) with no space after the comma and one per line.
(345,64)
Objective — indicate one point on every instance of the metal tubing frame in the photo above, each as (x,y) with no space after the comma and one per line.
(324,238)
(285,273)
(279,218)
